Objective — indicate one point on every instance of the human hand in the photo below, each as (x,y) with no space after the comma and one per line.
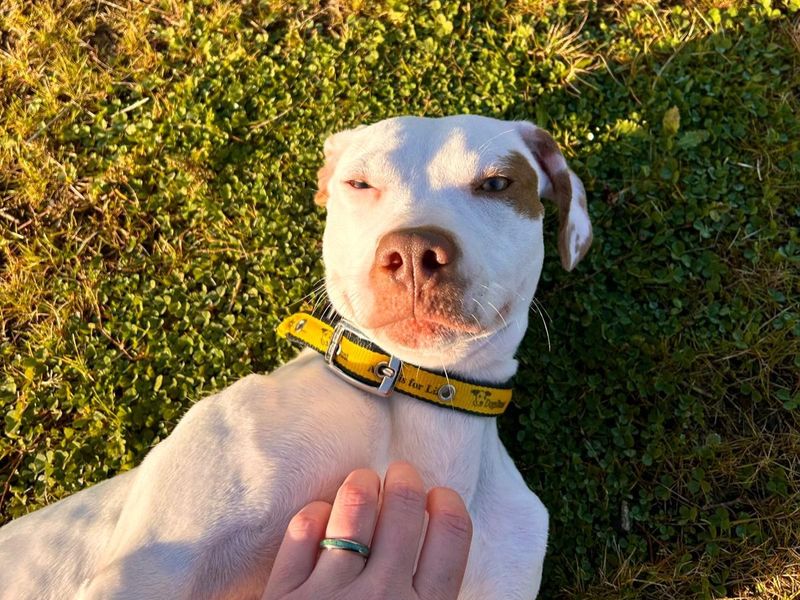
(302,572)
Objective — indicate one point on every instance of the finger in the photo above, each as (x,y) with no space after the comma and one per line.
(352,517)
(298,552)
(443,559)
(400,525)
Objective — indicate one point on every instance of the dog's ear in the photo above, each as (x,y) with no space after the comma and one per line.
(334,145)
(563,187)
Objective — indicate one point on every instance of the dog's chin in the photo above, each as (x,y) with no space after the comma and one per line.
(418,334)
(418,339)
(427,338)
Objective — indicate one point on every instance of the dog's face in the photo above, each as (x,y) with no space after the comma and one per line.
(433,245)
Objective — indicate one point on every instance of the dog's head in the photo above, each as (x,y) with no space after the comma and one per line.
(433,245)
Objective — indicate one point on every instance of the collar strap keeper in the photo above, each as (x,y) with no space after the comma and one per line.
(354,358)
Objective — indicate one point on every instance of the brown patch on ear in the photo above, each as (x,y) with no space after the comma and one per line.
(544,146)
(323,177)
(523,193)
(560,189)
(562,196)
(335,145)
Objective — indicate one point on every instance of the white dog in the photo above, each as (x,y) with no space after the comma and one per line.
(433,249)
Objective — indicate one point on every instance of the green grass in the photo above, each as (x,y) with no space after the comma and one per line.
(157,169)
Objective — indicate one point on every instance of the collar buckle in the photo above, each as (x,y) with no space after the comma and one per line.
(389,372)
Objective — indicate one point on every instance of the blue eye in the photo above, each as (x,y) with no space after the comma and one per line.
(358,184)
(495,184)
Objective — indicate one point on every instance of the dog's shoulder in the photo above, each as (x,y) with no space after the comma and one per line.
(299,397)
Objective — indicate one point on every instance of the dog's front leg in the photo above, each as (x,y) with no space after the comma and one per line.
(210,503)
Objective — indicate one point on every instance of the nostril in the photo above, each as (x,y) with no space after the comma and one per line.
(430,260)
(415,256)
(394,261)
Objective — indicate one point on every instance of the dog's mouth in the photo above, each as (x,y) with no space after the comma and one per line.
(436,321)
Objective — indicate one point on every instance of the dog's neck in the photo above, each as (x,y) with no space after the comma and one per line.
(447,446)
(450,447)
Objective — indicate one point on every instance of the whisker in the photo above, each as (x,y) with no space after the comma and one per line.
(541,306)
(485,146)
(519,329)
(478,323)
(447,379)
(325,310)
(482,333)
(315,290)
(479,304)
(330,312)
(502,287)
(546,331)
(322,298)
(498,313)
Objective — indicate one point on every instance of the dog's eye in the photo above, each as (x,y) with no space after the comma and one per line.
(495,184)
(358,184)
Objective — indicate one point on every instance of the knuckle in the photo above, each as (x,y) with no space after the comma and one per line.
(406,495)
(304,525)
(353,496)
(456,525)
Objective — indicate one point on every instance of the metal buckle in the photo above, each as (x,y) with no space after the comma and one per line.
(388,372)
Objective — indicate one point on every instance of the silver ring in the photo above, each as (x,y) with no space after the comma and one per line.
(344,544)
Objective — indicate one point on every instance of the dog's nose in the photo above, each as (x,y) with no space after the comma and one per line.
(413,256)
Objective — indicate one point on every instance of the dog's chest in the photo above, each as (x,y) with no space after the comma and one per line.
(449,449)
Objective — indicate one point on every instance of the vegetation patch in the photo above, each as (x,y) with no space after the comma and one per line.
(157,169)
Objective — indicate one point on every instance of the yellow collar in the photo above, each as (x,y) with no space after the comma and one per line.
(354,358)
